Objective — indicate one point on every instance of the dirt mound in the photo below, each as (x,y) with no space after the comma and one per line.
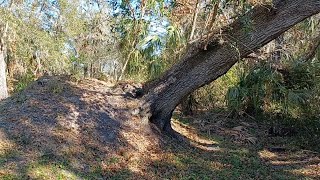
(85,124)
(59,129)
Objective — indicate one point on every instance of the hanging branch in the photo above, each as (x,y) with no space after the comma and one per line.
(212,16)
(194,21)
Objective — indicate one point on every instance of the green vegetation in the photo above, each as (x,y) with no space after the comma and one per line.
(273,94)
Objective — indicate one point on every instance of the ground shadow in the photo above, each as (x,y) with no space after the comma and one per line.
(58,130)
(241,150)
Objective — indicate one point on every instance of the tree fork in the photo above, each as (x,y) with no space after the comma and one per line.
(200,67)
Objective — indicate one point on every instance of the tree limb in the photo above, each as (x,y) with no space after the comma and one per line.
(200,67)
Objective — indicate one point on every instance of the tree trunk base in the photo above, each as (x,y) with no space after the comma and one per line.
(166,129)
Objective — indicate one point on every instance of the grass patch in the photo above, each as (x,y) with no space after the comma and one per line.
(51,171)
(234,161)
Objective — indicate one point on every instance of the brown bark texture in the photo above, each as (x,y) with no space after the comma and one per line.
(200,67)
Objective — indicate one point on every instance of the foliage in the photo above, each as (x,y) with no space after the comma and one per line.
(265,89)
(24,81)
(212,96)
(148,40)
(139,40)
(50,36)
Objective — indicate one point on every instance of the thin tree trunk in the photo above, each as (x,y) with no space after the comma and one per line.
(142,7)
(3,78)
(91,74)
(194,21)
(124,66)
(276,56)
(200,67)
(312,49)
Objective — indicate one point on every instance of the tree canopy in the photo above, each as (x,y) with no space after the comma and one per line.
(159,89)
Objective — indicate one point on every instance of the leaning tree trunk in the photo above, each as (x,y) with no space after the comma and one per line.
(200,67)
(3,81)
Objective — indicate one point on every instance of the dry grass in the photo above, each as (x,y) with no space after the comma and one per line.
(86,130)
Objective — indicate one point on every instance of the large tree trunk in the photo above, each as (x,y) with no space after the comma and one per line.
(3,81)
(200,67)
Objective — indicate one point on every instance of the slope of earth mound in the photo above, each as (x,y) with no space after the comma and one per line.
(59,129)
(83,127)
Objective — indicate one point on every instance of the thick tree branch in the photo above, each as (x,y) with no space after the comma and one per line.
(200,67)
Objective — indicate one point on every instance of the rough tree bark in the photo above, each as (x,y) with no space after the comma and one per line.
(200,67)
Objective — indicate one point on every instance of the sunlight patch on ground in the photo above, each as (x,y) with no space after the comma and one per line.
(265,154)
(207,147)
(305,163)
(190,133)
(312,171)
(142,147)
(196,141)
(217,165)
(6,145)
(9,170)
(50,172)
(70,121)
(67,137)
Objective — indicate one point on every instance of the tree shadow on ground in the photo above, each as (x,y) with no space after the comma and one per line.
(235,155)
(55,129)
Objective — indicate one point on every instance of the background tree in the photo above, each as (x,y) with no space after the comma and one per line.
(3,79)
(139,40)
(50,36)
